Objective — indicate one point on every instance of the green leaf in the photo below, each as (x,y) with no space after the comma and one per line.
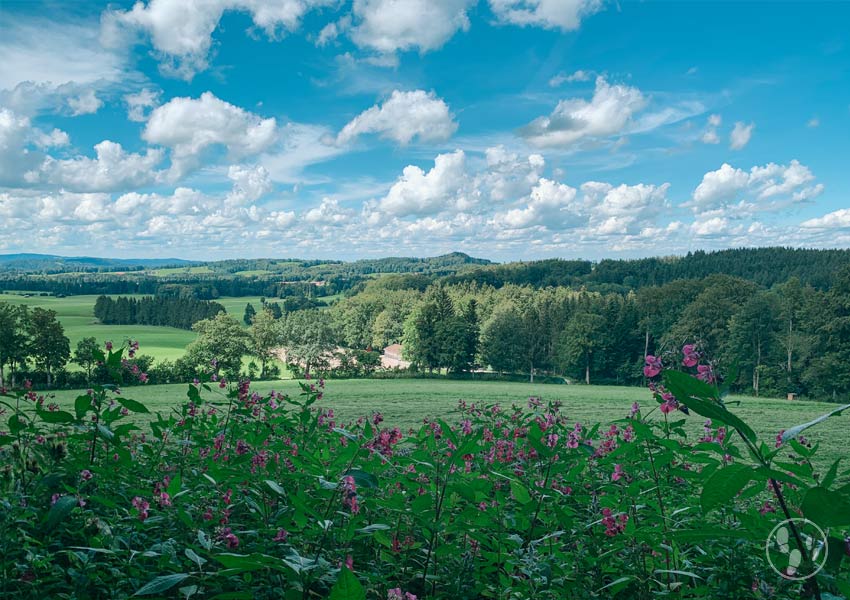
(60,511)
(15,424)
(161,583)
(275,487)
(829,478)
(373,528)
(132,405)
(724,484)
(362,478)
(174,485)
(798,429)
(82,405)
(699,397)
(57,416)
(347,587)
(520,492)
(826,508)
(193,556)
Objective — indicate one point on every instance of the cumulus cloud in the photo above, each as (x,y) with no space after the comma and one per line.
(86,103)
(740,135)
(549,204)
(838,219)
(249,184)
(112,169)
(565,15)
(416,192)
(403,116)
(607,113)
(623,209)
(392,25)
(139,103)
(771,185)
(181,32)
(189,126)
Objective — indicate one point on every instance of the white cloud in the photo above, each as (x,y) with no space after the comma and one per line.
(714,226)
(333,30)
(329,212)
(113,169)
(181,31)
(403,116)
(249,184)
(565,15)
(139,102)
(550,204)
(623,209)
(86,103)
(55,139)
(562,77)
(740,135)
(508,176)
(445,186)
(606,114)
(710,135)
(16,135)
(772,185)
(391,25)
(839,219)
(189,126)
(301,145)
(44,52)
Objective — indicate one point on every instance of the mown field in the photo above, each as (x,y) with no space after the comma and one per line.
(75,314)
(406,402)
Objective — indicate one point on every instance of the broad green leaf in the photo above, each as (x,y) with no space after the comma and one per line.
(56,416)
(688,390)
(132,405)
(347,587)
(161,584)
(520,492)
(60,511)
(362,478)
(798,429)
(275,487)
(82,405)
(724,484)
(826,508)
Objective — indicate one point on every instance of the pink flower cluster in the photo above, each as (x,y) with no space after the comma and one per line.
(349,494)
(397,594)
(614,525)
(141,505)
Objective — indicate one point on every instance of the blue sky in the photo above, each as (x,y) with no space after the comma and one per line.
(508,129)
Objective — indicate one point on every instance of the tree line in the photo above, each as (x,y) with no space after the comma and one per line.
(163,311)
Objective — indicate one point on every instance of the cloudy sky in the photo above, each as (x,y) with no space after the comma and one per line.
(507,129)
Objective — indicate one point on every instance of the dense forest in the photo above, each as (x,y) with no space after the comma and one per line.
(154,310)
(778,316)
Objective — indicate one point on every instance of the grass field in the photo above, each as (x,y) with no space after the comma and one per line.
(406,402)
(75,314)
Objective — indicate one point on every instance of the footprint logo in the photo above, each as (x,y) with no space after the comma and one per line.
(785,556)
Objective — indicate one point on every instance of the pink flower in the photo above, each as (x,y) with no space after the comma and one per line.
(397,594)
(652,366)
(141,505)
(230,538)
(85,475)
(704,373)
(691,357)
(281,536)
(618,473)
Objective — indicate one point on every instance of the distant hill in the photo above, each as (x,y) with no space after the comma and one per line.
(28,263)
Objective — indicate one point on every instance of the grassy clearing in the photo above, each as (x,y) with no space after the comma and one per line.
(406,402)
(75,314)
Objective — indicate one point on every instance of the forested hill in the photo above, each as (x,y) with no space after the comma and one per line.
(50,263)
(764,266)
(284,277)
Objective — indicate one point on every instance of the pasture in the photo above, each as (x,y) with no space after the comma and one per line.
(406,402)
(75,314)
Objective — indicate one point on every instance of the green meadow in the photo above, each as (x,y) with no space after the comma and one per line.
(406,402)
(76,315)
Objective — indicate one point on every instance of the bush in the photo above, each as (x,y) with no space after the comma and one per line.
(237,495)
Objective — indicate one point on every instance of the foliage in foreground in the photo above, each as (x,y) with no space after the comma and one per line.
(241,496)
